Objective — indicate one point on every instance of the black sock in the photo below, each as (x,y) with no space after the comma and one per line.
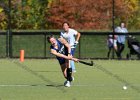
(69,74)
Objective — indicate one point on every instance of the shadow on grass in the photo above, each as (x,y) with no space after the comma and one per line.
(46,80)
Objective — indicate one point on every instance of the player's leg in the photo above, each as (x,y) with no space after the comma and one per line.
(119,46)
(110,45)
(69,70)
(72,62)
(66,71)
(63,66)
(108,54)
(122,48)
(116,48)
(73,66)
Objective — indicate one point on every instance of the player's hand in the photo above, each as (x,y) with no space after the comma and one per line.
(75,59)
(69,55)
(75,43)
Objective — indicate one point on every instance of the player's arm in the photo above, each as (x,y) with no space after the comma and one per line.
(63,41)
(115,36)
(78,36)
(63,56)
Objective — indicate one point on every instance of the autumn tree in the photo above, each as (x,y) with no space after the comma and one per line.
(133,19)
(25,14)
(91,14)
(127,11)
(81,14)
(29,14)
(3,16)
(2,19)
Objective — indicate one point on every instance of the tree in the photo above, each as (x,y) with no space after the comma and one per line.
(91,14)
(3,14)
(2,19)
(29,14)
(25,14)
(133,19)
(126,11)
(81,14)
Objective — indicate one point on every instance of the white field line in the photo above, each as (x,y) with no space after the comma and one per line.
(75,85)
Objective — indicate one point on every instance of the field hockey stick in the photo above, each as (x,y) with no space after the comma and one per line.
(86,63)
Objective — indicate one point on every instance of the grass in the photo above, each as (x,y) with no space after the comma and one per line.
(42,80)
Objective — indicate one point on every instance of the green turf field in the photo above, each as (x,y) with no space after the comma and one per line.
(42,80)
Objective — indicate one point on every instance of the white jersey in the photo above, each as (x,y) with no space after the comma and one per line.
(69,36)
(121,30)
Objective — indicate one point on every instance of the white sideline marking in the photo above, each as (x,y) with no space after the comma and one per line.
(14,85)
(75,85)
(27,85)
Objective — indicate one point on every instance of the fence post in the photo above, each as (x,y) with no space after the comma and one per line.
(79,48)
(9,35)
(10,45)
(45,43)
(7,44)
(113,24)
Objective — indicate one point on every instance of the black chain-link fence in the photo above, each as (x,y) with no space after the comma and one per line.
(35,45)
